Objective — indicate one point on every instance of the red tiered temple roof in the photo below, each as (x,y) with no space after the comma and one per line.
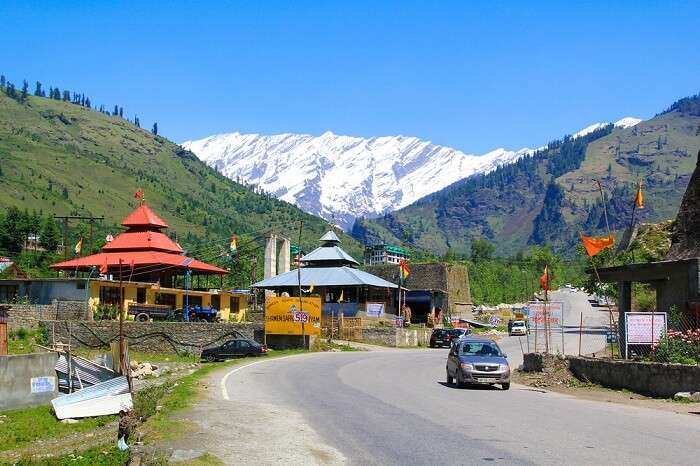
(143,244)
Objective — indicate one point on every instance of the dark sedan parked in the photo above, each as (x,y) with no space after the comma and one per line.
(233,348)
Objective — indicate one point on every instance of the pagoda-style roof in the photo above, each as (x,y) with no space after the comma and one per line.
(142,240)
(139,259)
(329,254)
(143,245)
(143,217)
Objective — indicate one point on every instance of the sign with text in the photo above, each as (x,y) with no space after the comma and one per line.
(289,316)
(538,311)
(642,329)
(43,384)
(375,309)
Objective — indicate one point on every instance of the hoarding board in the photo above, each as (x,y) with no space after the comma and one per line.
(287,316)
(639,327)
(536,312)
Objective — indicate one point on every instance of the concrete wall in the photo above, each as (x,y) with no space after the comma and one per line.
(648,378)
(29,315)
(16,374)
(396,336)
(167,337)
(46,290)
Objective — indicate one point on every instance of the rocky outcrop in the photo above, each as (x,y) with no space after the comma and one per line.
(685,238)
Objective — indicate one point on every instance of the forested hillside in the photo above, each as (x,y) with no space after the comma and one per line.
(552,195)
(60,157)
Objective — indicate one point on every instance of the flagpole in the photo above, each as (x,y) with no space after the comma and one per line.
(301,308)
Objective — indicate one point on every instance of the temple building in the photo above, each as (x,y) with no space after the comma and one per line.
(152,267)
(331,273)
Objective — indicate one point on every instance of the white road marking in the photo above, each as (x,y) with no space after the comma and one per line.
(224,392)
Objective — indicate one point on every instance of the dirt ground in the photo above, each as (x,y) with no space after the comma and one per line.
(557,378)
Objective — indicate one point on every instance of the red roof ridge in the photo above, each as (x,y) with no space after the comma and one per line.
(143,216)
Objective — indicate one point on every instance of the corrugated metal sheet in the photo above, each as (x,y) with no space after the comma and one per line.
(325,276)
(88,372)
(101,399)
(328,254)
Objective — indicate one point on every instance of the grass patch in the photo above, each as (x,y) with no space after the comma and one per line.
(24,341)
(20,427)
(156,403)
(141,356)
(98,456)
(325,345)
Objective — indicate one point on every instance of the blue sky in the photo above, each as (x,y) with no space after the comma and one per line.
(474,76)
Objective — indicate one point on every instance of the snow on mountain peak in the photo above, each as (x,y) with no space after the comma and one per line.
(339,177)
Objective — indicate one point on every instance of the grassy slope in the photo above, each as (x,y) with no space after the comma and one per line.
(102,160)
(662,151)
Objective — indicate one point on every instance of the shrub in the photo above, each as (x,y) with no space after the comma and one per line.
(678,347)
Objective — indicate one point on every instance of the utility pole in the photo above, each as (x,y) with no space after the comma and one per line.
(65,219)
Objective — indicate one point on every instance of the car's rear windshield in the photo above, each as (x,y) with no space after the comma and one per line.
(477,348)
(518,324)
(456,331)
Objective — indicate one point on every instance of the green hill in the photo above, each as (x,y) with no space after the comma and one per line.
(59,158)
(551,196)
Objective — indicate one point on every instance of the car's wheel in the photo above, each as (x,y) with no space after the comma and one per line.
(460,383)
(210,358)
(449,379)
(143,317)
(432,345)
(505,386)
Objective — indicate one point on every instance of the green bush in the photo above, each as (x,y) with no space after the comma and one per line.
(678,347)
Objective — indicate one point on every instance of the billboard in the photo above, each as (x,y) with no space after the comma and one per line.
(375,309)
(536,314)
(290,316)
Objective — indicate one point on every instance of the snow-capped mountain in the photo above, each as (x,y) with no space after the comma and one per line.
(340,178)
(626,122)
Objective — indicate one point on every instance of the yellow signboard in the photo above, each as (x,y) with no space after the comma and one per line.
(285,316)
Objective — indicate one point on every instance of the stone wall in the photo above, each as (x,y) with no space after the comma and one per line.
(29,315)
(166,337)
(648,378)
(396,336)
(17,389)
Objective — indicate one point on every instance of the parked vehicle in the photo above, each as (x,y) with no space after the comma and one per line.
(456,333)
(238,347)
(439,337)
(146,312)
(199,314)
(475,360)
(518,327)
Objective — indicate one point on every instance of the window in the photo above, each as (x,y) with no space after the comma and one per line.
(80,285)
(8,293)
(216,302)
(166,299)
(141,295)
(235,304)
(109,295)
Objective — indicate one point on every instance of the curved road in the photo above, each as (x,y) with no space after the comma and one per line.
(393,407)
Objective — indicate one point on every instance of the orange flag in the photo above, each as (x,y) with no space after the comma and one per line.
(639,198)
(544,279)
(595,245)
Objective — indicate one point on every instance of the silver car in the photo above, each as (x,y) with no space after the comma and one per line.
(474,360)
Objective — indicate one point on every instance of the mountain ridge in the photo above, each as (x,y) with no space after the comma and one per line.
(342,178)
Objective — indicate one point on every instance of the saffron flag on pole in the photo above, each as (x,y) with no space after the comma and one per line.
(403,268)
(311,287)
(78,246)
(595,245)
(340,299)
(544,279)
(104,267)
(234,245)
(639,198)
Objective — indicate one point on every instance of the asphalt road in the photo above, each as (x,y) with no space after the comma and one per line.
(393,407)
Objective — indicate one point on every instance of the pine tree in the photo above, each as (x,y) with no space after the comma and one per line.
(155,129)
(25,89)
(2,80)
(121,112)
(50,235)
(137,122)
(66,96)
(87,102)
(116,111)
(37,89)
